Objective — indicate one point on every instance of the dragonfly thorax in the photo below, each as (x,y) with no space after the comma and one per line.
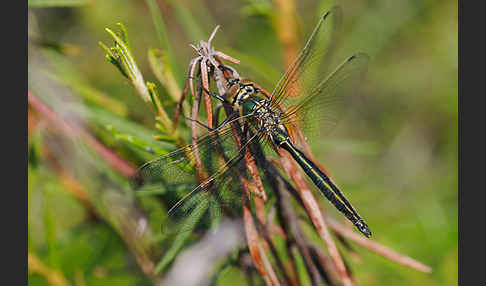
(249,101)
(268,120)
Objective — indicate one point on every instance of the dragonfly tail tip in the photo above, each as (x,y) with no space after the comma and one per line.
(363,228)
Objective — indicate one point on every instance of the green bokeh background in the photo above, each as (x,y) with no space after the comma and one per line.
(394,153)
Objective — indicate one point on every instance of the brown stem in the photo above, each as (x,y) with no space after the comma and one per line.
(247,265)
(326,263)
(252,239)
(181,99)
(267,235)
(268,266)
(207,97)
(312,208)
(290,222)
(195,110)
(113,160)
(286,213)
(53,276)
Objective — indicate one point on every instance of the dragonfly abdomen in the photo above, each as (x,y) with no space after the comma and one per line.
(327,187)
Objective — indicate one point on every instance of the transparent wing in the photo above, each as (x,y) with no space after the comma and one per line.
(198,204)
(312,62)
(324,104)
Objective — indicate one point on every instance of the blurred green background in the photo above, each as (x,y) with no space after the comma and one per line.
(394,153)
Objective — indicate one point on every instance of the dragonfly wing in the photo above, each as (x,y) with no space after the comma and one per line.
(178,166)
(321,109)
(311,63)
(206,203)
(176,173)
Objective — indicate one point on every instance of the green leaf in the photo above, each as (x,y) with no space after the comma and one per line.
(119,125)
(159,62)
(165,138)
(121,56)
(135,141)
(112,58)
(162,114)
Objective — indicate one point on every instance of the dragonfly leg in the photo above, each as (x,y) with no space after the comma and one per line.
(200,123)
(229,118)
(226,120)
(215,95)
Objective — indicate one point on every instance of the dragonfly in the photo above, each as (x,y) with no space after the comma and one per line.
(304,97)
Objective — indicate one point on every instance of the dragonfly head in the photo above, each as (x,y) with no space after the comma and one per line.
(242,92)
(245,91)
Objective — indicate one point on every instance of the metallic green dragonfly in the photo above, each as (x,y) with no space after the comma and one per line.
(303,97)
